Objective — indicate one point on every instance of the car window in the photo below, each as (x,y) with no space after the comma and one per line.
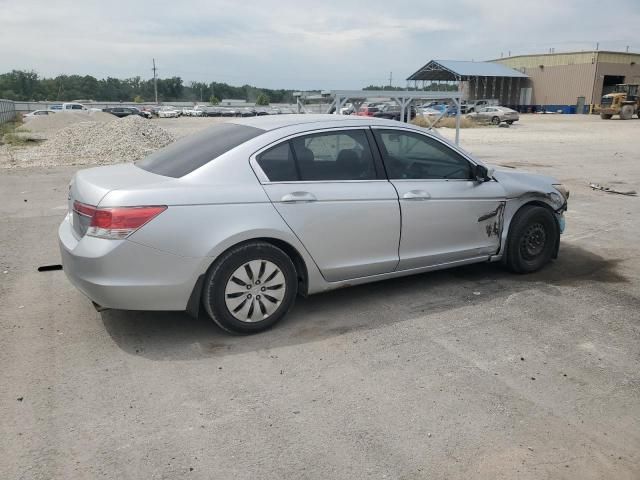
(344,155)
(76,107)
(194,151)
(278,164)
(413,156)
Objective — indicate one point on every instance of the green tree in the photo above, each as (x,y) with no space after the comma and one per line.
(213,100)
(262,99)
(138,99)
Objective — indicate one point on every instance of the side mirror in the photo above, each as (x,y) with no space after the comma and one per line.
(482,173)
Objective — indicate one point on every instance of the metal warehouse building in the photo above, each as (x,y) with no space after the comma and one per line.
(573,81)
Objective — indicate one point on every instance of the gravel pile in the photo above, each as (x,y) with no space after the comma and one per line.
(44,127)
(96,143)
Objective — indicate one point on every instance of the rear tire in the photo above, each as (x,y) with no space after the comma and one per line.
(533,236)
(510,122)
(250,288)
(626,112)
(495,121)
(606,116)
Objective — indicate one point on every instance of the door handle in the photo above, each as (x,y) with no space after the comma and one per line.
(416,195)
(298,197)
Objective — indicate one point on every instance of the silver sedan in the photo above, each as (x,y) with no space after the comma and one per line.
(495,115)
(241,218)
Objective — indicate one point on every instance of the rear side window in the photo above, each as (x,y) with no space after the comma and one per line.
(331,156)
(278,165)
(194,151)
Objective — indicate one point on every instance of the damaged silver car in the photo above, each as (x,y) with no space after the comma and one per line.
(241,218)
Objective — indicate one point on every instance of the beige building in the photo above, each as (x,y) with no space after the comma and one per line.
(567,80)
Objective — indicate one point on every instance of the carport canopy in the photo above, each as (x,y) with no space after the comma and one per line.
(456,70)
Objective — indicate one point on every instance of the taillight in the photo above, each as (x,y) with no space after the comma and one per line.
(116,222)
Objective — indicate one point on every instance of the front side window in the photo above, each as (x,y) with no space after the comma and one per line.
(411,156)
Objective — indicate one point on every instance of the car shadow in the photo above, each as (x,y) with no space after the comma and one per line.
(177,336)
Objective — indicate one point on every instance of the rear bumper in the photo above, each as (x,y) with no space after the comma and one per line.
(125,275)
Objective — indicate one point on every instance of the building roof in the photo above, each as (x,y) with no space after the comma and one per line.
(568,58)
(462,70)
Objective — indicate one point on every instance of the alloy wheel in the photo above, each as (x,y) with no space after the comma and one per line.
(255,290)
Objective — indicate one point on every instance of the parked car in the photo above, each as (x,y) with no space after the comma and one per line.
(168,112)
(72,106)
(475,105)
(495,115)
(393,112)
(242,217)
(121,112)
(37,113)
(367,110)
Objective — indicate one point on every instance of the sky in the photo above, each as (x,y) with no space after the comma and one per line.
(325,44)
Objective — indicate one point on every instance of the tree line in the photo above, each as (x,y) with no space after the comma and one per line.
(23,85)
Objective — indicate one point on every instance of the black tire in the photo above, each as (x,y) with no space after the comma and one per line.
(606,116)
(626,112)
(495,121)
(213,291)
(533,236)
(510,122)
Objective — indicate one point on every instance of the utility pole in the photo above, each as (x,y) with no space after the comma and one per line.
(155,80)
(390,79)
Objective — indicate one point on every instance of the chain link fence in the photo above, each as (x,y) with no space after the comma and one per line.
(7,111)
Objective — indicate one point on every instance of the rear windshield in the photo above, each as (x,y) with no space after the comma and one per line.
(194,151)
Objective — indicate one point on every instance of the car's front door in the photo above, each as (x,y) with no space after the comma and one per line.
(329,188)
(447,216)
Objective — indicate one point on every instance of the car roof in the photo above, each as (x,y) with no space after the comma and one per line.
(273,122)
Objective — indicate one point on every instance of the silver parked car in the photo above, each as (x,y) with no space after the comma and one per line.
(495,115)
(243,217)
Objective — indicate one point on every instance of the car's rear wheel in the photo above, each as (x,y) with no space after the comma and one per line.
(250,288)
(533,236)
(495,120)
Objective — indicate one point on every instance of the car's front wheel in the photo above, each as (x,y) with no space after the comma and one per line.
(533,237)
(250,288)
(495,120)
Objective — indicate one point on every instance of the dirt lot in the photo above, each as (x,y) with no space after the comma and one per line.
(467,373)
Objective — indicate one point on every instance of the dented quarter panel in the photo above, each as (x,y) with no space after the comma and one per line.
(522,188)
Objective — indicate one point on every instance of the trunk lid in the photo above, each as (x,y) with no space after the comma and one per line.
(91,185)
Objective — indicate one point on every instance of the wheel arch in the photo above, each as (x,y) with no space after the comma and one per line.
(532,202)
(302,271)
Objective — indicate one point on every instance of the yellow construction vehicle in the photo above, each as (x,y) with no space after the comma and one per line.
(623,101)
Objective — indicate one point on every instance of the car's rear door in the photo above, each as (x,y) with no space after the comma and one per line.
(447,216)
(330,189)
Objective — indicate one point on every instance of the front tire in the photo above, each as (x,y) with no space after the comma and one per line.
(533,237)
(495,121)
(626,112)
(250,288)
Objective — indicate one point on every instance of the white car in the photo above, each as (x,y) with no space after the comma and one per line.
(73,106)
(196,111)
(37,113)
(168,112)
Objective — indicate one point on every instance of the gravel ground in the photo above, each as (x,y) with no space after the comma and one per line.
(466,373)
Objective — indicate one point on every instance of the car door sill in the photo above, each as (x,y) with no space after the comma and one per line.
(399,273)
